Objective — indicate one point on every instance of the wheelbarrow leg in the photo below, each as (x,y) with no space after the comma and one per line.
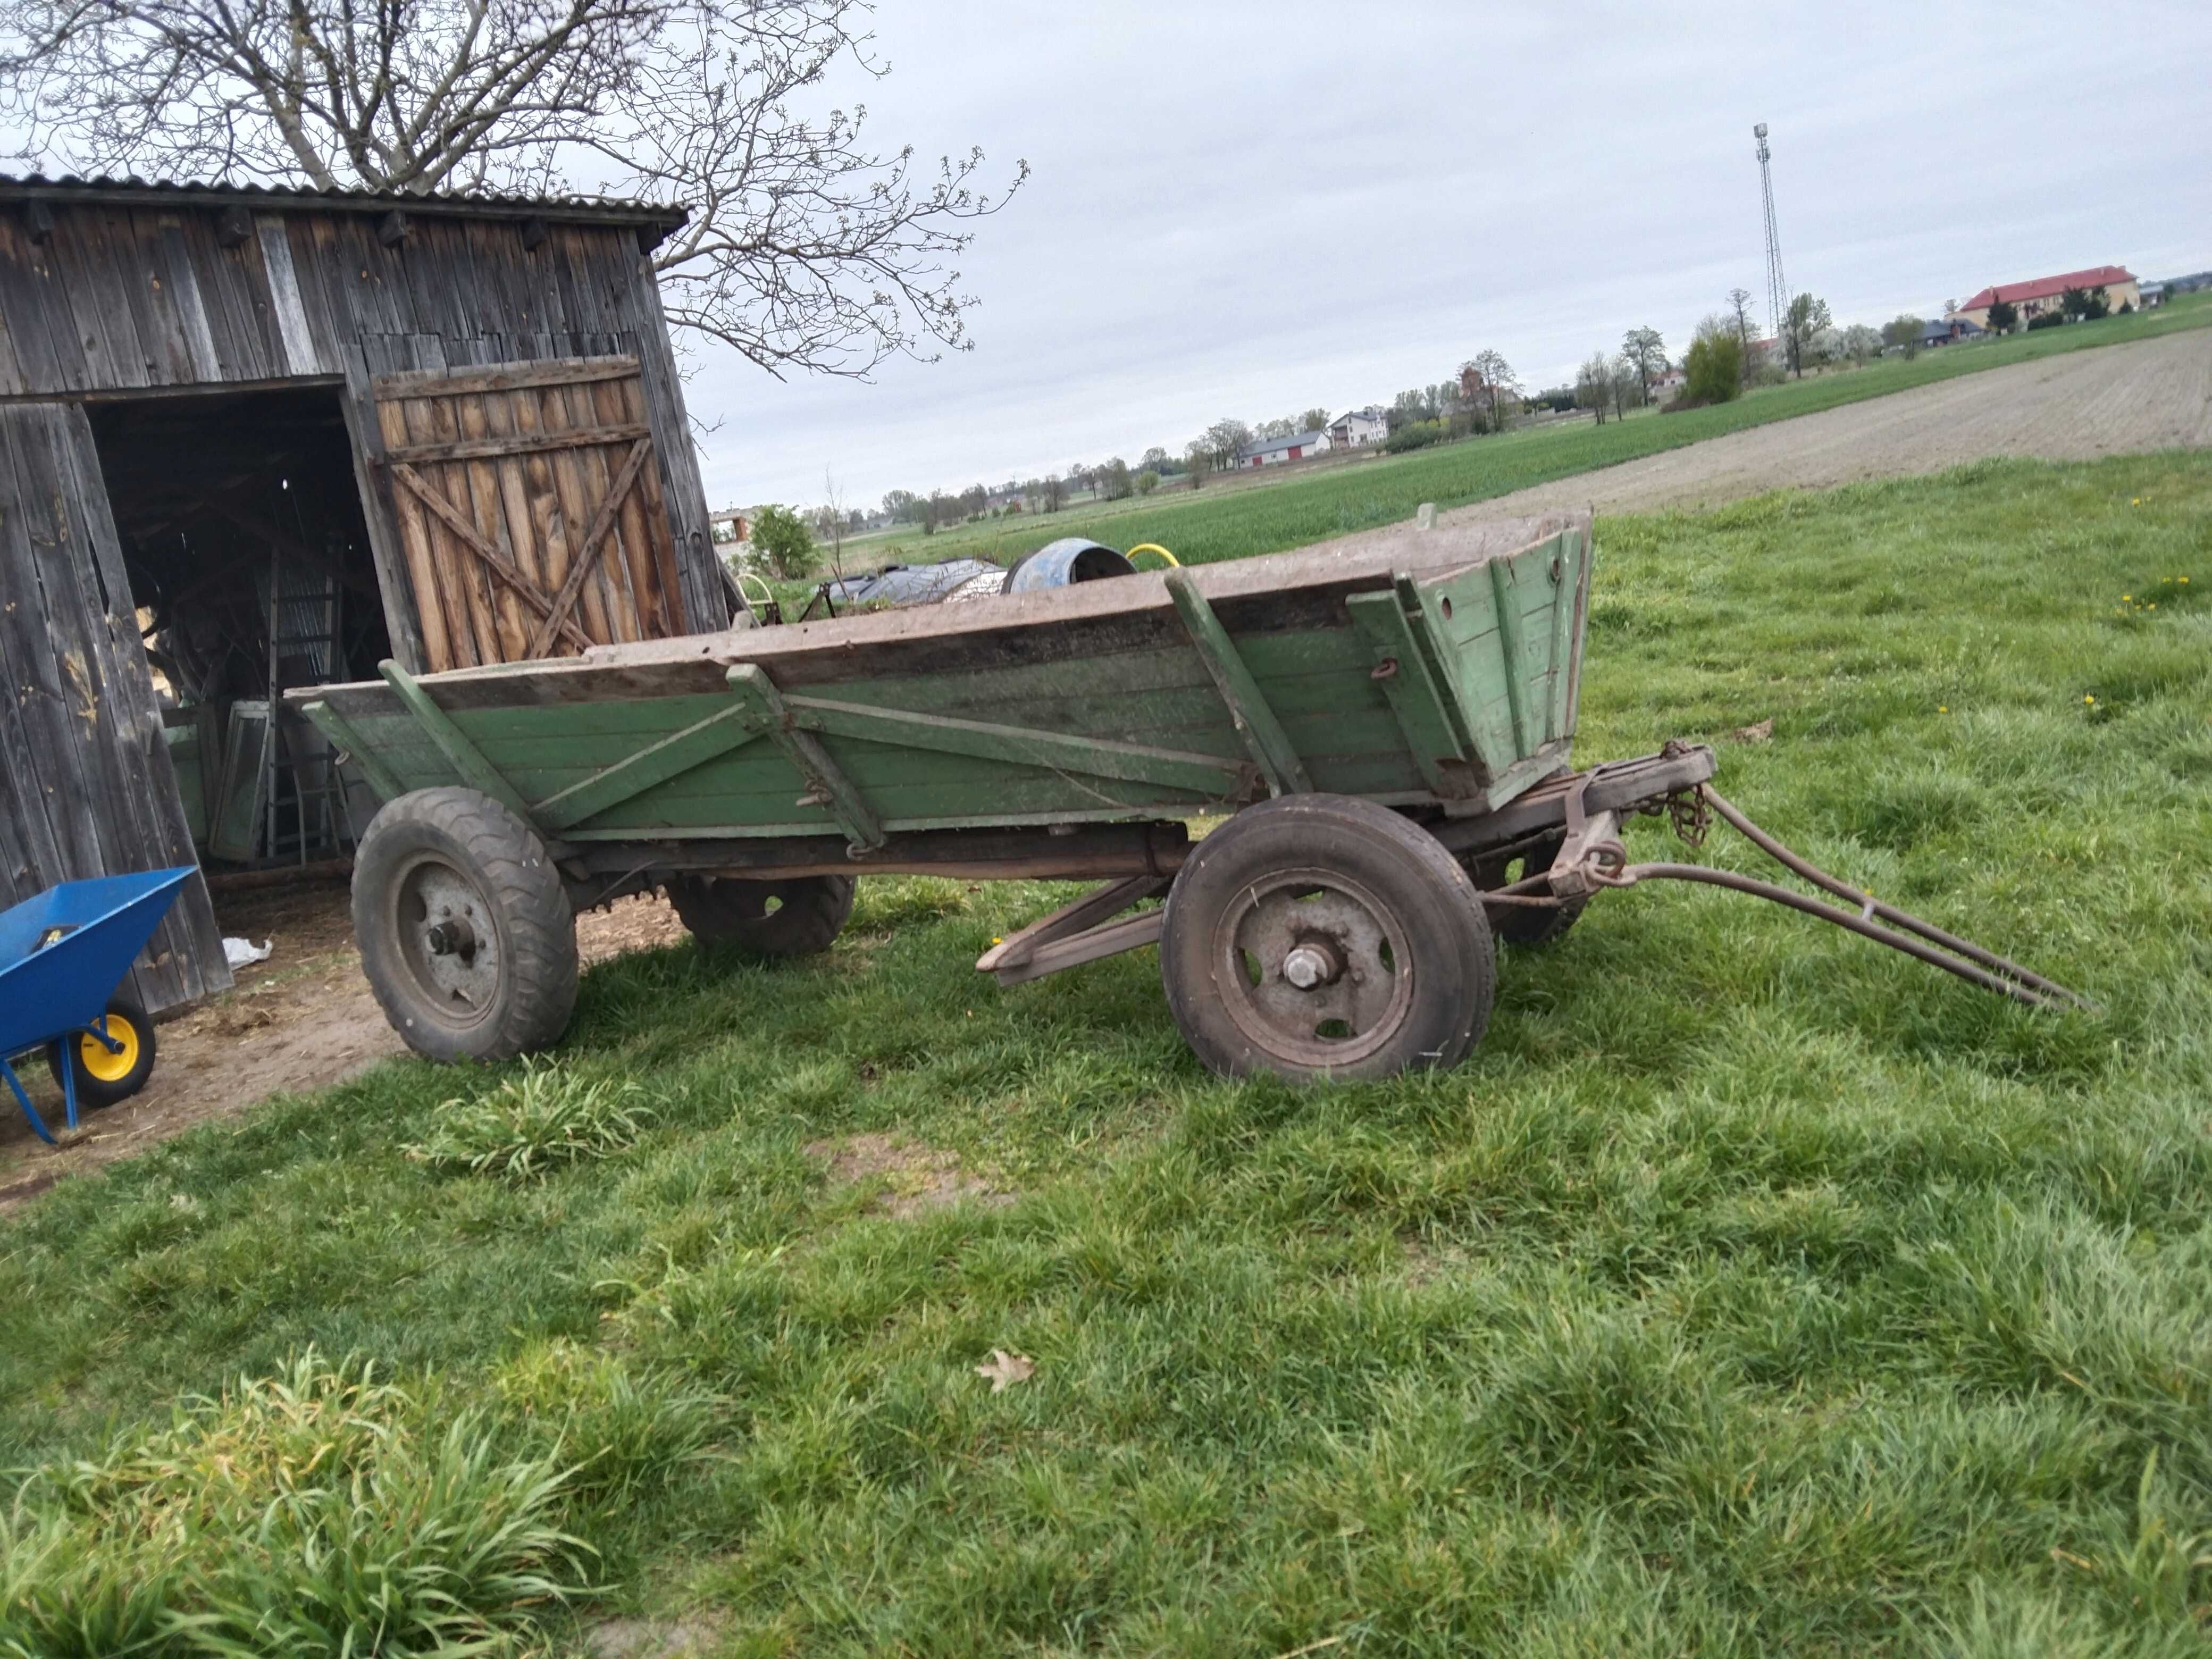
(30,1112)
(98,1032)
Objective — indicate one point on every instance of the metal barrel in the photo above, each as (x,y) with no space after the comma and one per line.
(1070,559)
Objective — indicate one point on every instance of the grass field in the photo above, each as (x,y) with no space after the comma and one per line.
(1750,1291)
(1220,522)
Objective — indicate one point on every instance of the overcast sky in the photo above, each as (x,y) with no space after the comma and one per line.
(1250,207)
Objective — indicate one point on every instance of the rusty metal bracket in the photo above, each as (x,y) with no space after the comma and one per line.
(1884,924)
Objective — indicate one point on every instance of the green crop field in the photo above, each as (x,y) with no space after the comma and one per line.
(1225,521)
(1751,1290)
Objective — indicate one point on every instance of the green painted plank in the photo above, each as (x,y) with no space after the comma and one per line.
(1475,669)
(363,753)
(1272,749)
(1088,757)
(804,751)
(467,760)
(1423,716)
(650,767)
(1513,633)
(1564,644)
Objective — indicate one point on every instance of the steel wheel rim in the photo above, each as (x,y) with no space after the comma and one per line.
(458,975)
(99,1062)
(1329,914)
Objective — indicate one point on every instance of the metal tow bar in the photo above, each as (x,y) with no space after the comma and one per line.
(1604,863)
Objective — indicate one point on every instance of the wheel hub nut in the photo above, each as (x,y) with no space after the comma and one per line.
(451,938)
(1309,964)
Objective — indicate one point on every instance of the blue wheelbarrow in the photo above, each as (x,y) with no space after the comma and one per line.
(63,957)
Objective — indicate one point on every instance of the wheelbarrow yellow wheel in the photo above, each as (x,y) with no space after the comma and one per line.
(106,1075)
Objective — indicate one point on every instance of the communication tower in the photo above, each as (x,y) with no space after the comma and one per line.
(1778,287)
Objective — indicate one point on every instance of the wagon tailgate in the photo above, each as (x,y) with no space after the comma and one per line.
(1504,636)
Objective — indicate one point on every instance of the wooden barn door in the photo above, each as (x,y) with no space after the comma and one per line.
(86,787)
(530,506)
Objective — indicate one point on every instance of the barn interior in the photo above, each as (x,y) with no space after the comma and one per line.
(240,521)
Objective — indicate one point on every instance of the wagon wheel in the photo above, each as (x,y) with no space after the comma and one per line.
(793,918)
(1321,937)
(466,933)
(106,1075)
(1527,924)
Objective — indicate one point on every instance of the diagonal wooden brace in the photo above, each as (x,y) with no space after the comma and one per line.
(1270,746)
(1018,951)
(500,565)
(587,551)
(825,780)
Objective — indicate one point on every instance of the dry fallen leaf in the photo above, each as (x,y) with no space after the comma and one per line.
(1004,1369)
(1758,734)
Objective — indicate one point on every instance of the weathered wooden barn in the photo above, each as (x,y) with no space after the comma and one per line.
(255,438)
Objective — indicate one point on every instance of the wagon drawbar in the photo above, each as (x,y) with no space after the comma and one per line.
(1384,725)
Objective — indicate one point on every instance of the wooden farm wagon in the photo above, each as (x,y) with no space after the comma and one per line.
(1385,722)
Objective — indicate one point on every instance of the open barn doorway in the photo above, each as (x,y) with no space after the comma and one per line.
(242,532)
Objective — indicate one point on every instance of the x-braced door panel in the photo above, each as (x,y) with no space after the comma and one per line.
(530,507)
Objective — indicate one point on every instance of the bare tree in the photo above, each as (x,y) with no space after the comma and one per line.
(1594,385)
(1225,440)
(1804,320)
(1646,349)
(1738,300)
(1622,374)
(1486,378)
(1314,420)
(809,248)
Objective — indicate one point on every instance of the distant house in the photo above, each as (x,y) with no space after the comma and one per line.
(1273,452)
(732,523)
(1361,426)
(2152,294)
(2046,293)
(1948,330)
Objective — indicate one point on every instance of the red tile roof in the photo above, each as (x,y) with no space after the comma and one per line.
(2044,286)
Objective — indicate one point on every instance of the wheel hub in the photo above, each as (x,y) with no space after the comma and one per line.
(450,945)
(451,936)
(1311,963)
(1314,967)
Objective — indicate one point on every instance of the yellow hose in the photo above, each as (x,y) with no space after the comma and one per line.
(1154,547)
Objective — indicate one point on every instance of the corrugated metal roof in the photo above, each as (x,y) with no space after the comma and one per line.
(2044,286)
(1296,440)
(591,209)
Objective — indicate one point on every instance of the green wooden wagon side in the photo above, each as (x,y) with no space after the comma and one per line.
(1385,722)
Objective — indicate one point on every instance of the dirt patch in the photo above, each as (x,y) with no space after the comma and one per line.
(915,1179)
(651,1638)
(2114,400)
(304,1020)
(1426,1264)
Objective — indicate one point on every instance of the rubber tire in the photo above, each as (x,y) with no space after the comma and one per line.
(729,911)
(1527,927)
(91,1091)
(503,859)
(1429,896)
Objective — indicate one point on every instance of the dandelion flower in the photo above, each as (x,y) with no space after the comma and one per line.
(2125,598)
(1942,708)
(2088,700)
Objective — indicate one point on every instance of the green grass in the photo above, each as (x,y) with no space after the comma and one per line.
(1751,1290)
(1225,522)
